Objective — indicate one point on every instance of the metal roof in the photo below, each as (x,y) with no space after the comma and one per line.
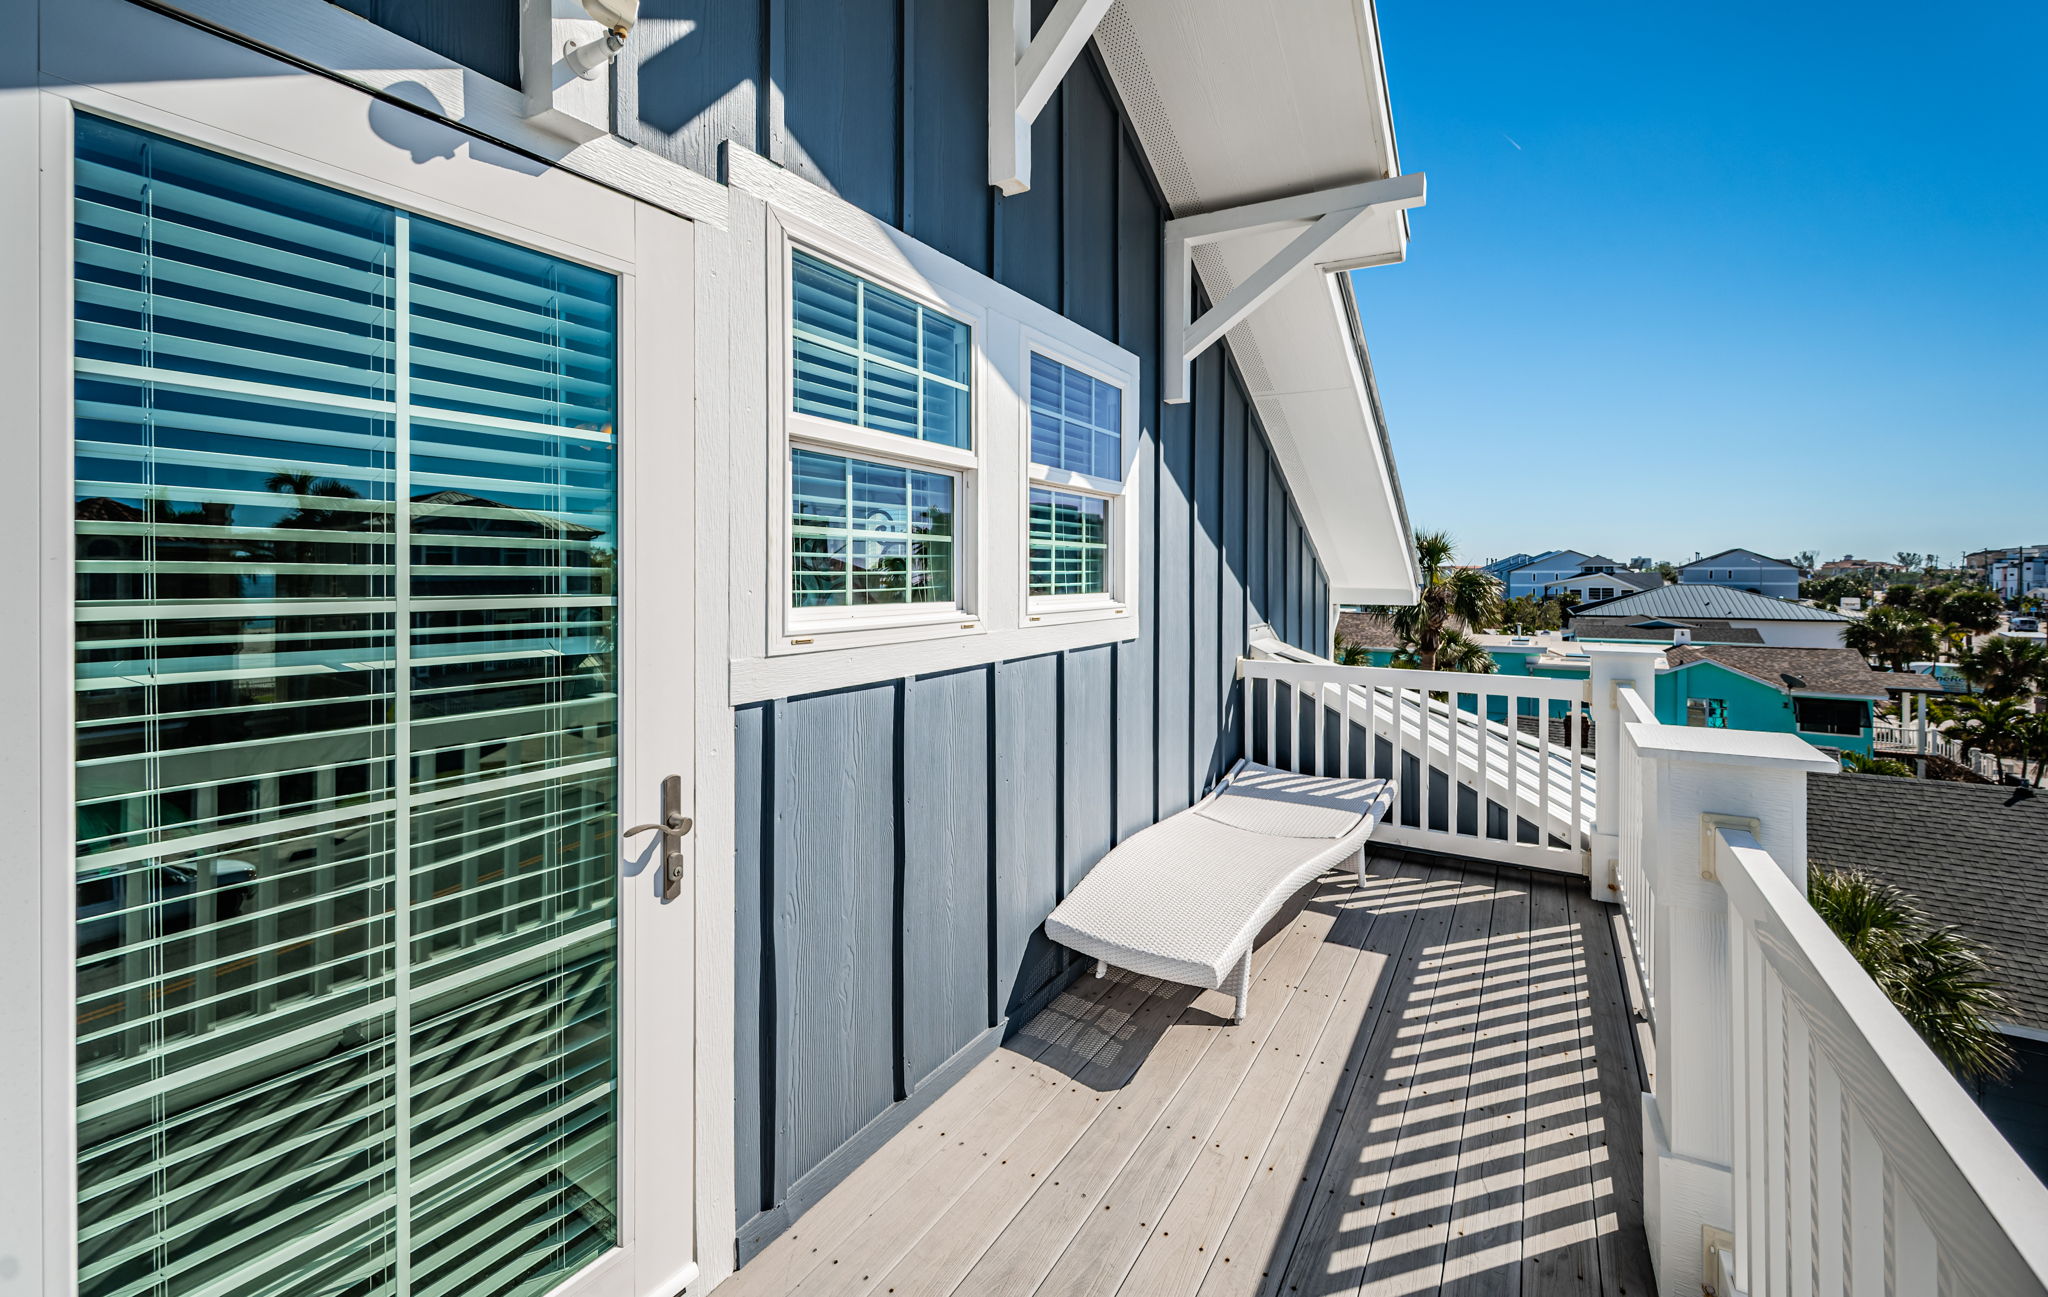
(1711,601)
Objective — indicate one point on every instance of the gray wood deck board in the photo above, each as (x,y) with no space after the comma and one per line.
(1270,1213)
(1624,1253)
(1435,1092)
(1560,1252)
(1483,1249)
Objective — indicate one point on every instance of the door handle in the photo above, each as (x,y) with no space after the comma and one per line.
(674,824)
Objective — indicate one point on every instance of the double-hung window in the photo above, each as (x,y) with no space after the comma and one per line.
(881,452)
(1076,484)
(948,474)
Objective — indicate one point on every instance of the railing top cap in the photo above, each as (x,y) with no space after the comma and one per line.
(1642,649)
(1729,747)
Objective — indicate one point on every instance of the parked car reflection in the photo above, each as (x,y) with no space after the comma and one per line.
(104,901)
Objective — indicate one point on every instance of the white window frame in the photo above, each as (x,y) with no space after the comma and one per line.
(1121,565)
(837,627)
(777,650)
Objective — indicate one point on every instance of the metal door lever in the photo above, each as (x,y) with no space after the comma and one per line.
(674,824)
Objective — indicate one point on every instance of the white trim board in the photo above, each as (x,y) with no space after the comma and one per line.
(779,208)
(366,55)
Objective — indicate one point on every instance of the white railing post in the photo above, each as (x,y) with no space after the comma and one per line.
(1704,779)
(1614,666)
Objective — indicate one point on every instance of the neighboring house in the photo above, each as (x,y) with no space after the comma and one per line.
(1825,696)
(2020,572)
(1530,577)
(1599,587)
(1875,569)
(1663,630)
(1969,856)
(1743,569)
(876,487)
(1780,623)
(1500,567)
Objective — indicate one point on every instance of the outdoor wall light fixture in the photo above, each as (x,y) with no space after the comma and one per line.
(618,17)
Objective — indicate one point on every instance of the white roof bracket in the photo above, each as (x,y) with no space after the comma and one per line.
(1320,216)
(1023,71)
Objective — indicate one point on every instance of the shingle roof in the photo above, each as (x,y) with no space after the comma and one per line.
(1801,672)
(1367,630)
(1969,854)
(1702,629)
(1713,601)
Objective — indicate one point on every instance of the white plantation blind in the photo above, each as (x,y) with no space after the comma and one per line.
(346,644)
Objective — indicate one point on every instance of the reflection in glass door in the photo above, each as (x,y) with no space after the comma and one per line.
(346,741)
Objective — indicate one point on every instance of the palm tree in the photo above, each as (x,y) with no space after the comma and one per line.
(1858,764)
(1932,974)
(1991,725)
(1897,636)
(1447,593)
(1455,651)
(2030,744)
(2006,667)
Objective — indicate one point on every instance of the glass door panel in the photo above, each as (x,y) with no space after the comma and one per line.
(347,721)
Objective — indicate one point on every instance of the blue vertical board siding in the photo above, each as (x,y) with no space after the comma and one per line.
(1255,529)
(1276,546)
(1205,724)
(691,79)
(948,194)
(1027,834)
(479,34)
(1088,765)
(753,1010)
(1028,243)
(1231,600)
(1176,607)
(842,98)
(1088,187)
(1137,276)
(835,918)
(946,864)
(899,845)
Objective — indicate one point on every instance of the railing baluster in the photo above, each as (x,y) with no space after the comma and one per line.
(1543,772)
(1344,734)
(1322,706)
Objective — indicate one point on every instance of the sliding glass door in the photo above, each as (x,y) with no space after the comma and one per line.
(347,719)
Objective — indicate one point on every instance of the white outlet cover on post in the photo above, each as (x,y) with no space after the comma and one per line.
(557,99)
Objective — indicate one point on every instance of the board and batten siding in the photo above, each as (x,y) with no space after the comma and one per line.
(900,844)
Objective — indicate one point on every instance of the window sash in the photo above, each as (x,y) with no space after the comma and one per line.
(911,381)
(1070,543)
(1075,421)
(830,521)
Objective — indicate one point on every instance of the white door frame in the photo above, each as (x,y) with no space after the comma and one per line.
(156,73)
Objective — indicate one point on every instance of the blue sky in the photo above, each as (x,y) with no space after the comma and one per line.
(1697,276)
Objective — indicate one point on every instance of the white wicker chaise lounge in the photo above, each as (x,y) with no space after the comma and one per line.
(1184,900)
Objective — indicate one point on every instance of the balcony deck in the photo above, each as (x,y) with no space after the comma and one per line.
(1436,1091)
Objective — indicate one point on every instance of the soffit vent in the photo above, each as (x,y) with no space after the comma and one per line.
(1140,93)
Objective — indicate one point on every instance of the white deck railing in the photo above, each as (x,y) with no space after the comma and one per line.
(1860,1166)
(1473,781)
(1800,1137)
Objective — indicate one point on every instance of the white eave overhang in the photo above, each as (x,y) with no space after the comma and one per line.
(1246,101)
